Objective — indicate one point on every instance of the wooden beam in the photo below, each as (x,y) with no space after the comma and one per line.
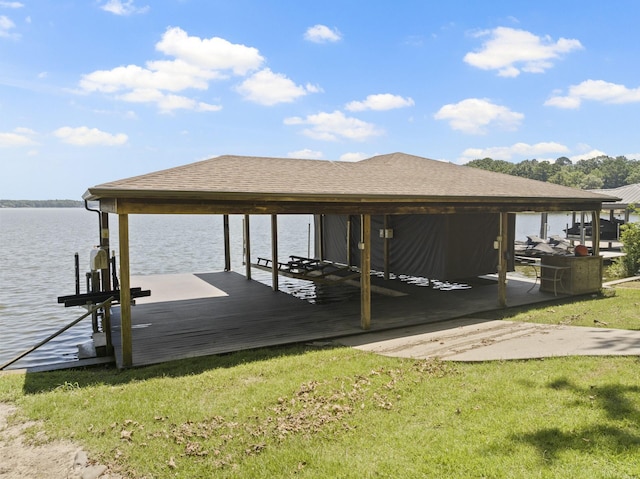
(109,205)
(386,247)
(358,206)
(274,252)
(365,272)
(595,232)
(503,248)
(227,243)
(247,247)
(125,292)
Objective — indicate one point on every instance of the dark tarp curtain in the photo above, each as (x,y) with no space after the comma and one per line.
(444,247)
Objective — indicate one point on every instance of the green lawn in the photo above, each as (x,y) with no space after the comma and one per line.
(617,308)
(339,412)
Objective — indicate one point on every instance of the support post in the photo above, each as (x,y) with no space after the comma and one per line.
(544,218)
(274,252)
(348,240)
(320,247)
(247,247)
(105,276)
(125,292)
(595,232)
(106,281)
(612,218)
(365,271)
(227,243)
(386,248)
(503,240)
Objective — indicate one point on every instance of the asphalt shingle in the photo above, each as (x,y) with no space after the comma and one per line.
(395,175)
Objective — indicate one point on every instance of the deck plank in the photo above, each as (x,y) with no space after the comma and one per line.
(252,315)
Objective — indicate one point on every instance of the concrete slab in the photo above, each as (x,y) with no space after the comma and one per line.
(480,340)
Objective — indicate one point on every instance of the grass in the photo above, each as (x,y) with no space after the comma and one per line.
(338,412)
(617,308)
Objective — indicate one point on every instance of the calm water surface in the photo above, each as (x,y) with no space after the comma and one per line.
(37,247)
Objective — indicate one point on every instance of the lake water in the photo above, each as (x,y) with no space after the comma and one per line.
(37,247)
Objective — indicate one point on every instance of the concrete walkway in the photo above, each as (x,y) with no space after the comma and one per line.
(471,339)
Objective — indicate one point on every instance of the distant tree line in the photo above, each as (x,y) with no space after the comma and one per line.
(41,204)
(595,173)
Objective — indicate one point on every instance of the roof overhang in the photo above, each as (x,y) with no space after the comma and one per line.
(259,204)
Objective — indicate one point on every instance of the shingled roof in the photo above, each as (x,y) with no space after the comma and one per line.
(393,178)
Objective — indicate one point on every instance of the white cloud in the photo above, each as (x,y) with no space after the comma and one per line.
(587,156)
(24,131)
(632,156)
(334,126)
(4,4)
(382,101)
(306,154)
(355,156)
(166,102)
(119,7)
(473,115)
(268,88)
(322,34)
(85,136)
(511,51)
(595,90)
(196,62)
(519,150)
(18,137)
(171,76)
(210,53)
(6,25)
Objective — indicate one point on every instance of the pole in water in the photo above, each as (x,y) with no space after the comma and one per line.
(77,264)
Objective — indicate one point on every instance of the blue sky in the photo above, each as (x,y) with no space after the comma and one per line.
(97,90)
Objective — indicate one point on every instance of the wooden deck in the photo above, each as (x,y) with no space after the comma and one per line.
(251,315)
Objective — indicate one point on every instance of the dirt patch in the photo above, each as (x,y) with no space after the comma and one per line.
(23,459)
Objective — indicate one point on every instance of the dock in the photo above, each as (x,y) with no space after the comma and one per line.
(215,313)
